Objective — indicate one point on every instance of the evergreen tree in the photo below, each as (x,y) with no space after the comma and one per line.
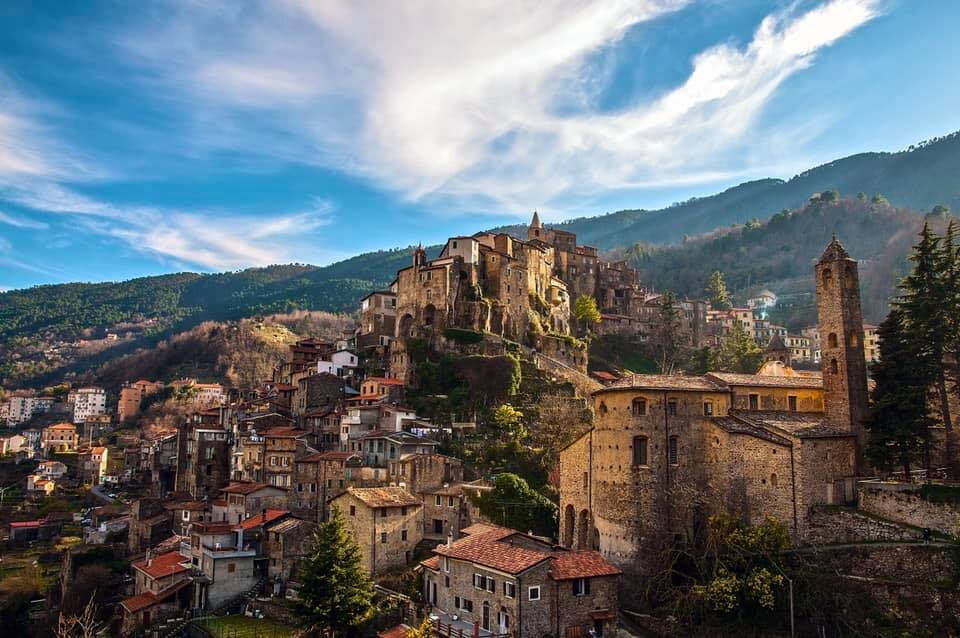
(898,421)
(669,336)
(738,353)
(514,504)
(950,274)
(925,308)
(336,593)
(717,291)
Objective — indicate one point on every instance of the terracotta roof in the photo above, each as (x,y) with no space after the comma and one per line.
(245,488)
(487,549)
(431,563)
(61,426)
(766,380)
(581,564)
(148,599)
(261,519)
(664,382)
(163,565)
(384,496)
(478,528)
(384,380)
(285,432)
(603,374)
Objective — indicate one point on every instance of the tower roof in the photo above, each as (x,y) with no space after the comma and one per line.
(834,251)
(776,343)
(535,222)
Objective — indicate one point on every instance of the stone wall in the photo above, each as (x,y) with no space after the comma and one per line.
(904,503)
(835,525)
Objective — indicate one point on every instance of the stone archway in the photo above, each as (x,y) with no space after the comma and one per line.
(429,314)
(583,530)
(405,327)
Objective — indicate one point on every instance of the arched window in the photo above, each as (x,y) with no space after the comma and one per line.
(569,519)
(603,408)
(639,407)
(773,480)
(832,340)
(639,450)
(827,278)
(834,368)
(848,279)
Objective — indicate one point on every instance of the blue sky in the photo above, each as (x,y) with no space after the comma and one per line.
(143,138)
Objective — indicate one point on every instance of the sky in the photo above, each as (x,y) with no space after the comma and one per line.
(152,137)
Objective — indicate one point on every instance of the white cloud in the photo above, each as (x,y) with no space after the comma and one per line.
(456,101)
(21,222)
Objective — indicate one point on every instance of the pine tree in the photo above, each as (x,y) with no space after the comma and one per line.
(898,421)
(717,291)
(950,274)
(925,305)
(669,336)
(336,593)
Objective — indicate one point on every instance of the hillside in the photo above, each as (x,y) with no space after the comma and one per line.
(47,330)
(919,178)
(779,254)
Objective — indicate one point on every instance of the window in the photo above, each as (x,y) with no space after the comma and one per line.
(456,602)
(446,564)
(403,534)
(446,581)
(672,407)
(232,567)
(383,537)
(639,407)
(479,580)
(510,590)
(353,510)
(491,585)
(581,586)
(672,450)
(454,244)
(708,408)
(403,511)
(533,593)
(773,480)
(754,401)
(383,512)
(792,403)
(449,501)
(832,340)
(438,500)
(827,278)
(834,368)
(467,605)
(639,450)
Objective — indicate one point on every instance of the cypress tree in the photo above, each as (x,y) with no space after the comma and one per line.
(337,593)
(898,421)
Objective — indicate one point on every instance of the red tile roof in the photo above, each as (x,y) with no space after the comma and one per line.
(431,563)
(487,549)
(581,564)
(148,599)
(285,432)
(162,566)
(261,519)
(244,488)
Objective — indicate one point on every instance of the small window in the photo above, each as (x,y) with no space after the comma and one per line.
(673,450)
(708,408)
(754,401)
(834,368)
(792,403)
(639,450)
(479,580)
(639,407)
(232,567)
(446,564)
(438,500)
(449,501)
(383,537)
(467,605)
(491,585)
(581,586)
(353,510)
(403,534)
(403,511)
(832,340)
(510,590)
(383,512)
(534,593)
(456,602)
(773,480)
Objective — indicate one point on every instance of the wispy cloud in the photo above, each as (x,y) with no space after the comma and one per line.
(22,222)
(457,102)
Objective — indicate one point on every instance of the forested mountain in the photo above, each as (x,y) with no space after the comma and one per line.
(920,177)
(780,253)
(72,321)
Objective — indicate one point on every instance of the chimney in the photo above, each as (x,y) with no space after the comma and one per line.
(449,539)
(149,557)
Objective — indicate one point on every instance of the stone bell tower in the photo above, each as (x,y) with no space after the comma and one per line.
(841,342)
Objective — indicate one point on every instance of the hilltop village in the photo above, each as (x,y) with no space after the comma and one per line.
(393,425)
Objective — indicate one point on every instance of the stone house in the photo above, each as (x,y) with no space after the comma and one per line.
(161,590)
(60,437)
(387,523)
(422,471)
(666,451)
(12,444)
(203,460)
(287,542)
(186,512)
(380,448)
(279,452)
(243,500)
(150,523)
(132,395)
(448,509)
(322,390)
(378,319)
(321,477)
(511,583)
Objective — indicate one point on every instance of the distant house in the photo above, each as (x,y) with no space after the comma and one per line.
(60,437)
(23,532)
(387,523)
(162,589)
(763,299)
(87,402)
